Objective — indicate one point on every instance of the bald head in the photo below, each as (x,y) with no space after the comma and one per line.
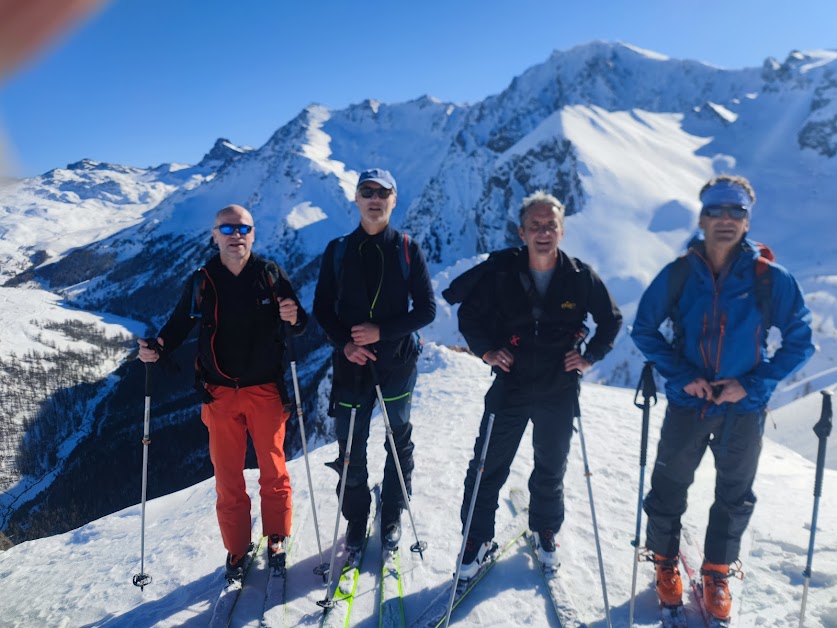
(233,214)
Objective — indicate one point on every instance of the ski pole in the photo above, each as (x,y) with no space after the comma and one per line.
(587,474)
(320,570)
(649,391)
(142,579)
(822,429)
(419,546)
(470,516)
(328,603)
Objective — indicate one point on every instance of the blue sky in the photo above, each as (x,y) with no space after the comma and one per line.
(142,83)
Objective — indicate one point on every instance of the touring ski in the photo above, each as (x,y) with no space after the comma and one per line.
(693,551)
(344,595)
(559,594)
(673,617)
(227,600)
(274,595)
(392,591)
(435,613)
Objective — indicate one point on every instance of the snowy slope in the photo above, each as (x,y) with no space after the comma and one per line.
(84,577)
(28,320)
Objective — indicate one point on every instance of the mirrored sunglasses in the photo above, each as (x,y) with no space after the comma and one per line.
(370,192)
(735,212)
(228,229)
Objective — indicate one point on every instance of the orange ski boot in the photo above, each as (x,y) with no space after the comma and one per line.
(716,597)
(669,584)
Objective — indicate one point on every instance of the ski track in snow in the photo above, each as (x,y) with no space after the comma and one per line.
(83,577)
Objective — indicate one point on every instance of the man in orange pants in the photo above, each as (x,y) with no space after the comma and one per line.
(246,305)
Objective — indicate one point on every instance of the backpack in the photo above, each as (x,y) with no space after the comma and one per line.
(463,285)
(763,285)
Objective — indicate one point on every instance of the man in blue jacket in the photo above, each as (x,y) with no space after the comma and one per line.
(719,380)
(373,293)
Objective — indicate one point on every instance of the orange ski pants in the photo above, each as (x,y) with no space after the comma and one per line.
(235,412)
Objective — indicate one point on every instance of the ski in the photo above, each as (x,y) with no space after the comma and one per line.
(696,582)
(673,617)
(225,605)
(559,594)
(435,613)
(344,595)
(274,595)
(391,613)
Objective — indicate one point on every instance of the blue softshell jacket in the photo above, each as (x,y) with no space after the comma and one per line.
(721,329)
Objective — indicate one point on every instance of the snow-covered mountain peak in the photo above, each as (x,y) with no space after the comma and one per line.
(223,151)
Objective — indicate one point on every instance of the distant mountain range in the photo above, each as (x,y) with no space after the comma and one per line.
(624,136)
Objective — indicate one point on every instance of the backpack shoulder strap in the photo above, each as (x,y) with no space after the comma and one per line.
(198,283)
(676,281)
(404,255)
(339,253)
(764,289)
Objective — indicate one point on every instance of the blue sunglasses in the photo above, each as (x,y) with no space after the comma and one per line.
(736,212)
(228,230)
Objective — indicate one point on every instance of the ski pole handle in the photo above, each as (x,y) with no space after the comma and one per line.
(823,430)
(154,346)
(649,393)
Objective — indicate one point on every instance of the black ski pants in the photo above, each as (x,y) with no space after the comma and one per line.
(735,441)
(397,388)
(552,422)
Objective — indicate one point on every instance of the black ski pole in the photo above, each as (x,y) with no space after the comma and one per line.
(649,391)
(142,579)
(419,546)
(467,529)
(822,429)
(320,570)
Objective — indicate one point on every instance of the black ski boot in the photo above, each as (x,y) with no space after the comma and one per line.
(234,567)
(355,534)
(276,553)
(391,528)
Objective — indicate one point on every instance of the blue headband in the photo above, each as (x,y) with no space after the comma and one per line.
(726,193)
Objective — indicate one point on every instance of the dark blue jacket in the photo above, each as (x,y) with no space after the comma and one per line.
(721,329)
(371,288)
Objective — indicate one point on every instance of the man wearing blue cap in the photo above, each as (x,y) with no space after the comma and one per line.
(367,282)
(722,296)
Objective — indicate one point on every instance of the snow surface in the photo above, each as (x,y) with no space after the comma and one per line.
(83,577)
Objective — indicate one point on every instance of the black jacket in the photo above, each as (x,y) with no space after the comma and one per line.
(499,307)
(241,339)
(371,288)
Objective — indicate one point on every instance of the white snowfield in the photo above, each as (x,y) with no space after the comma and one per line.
(83,577)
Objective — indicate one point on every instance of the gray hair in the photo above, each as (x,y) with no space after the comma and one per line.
(540,197)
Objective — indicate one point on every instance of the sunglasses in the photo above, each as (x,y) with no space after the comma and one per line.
(370,192)
(231,229)
(733,211)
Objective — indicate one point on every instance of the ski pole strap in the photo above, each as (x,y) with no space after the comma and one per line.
(647,386)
